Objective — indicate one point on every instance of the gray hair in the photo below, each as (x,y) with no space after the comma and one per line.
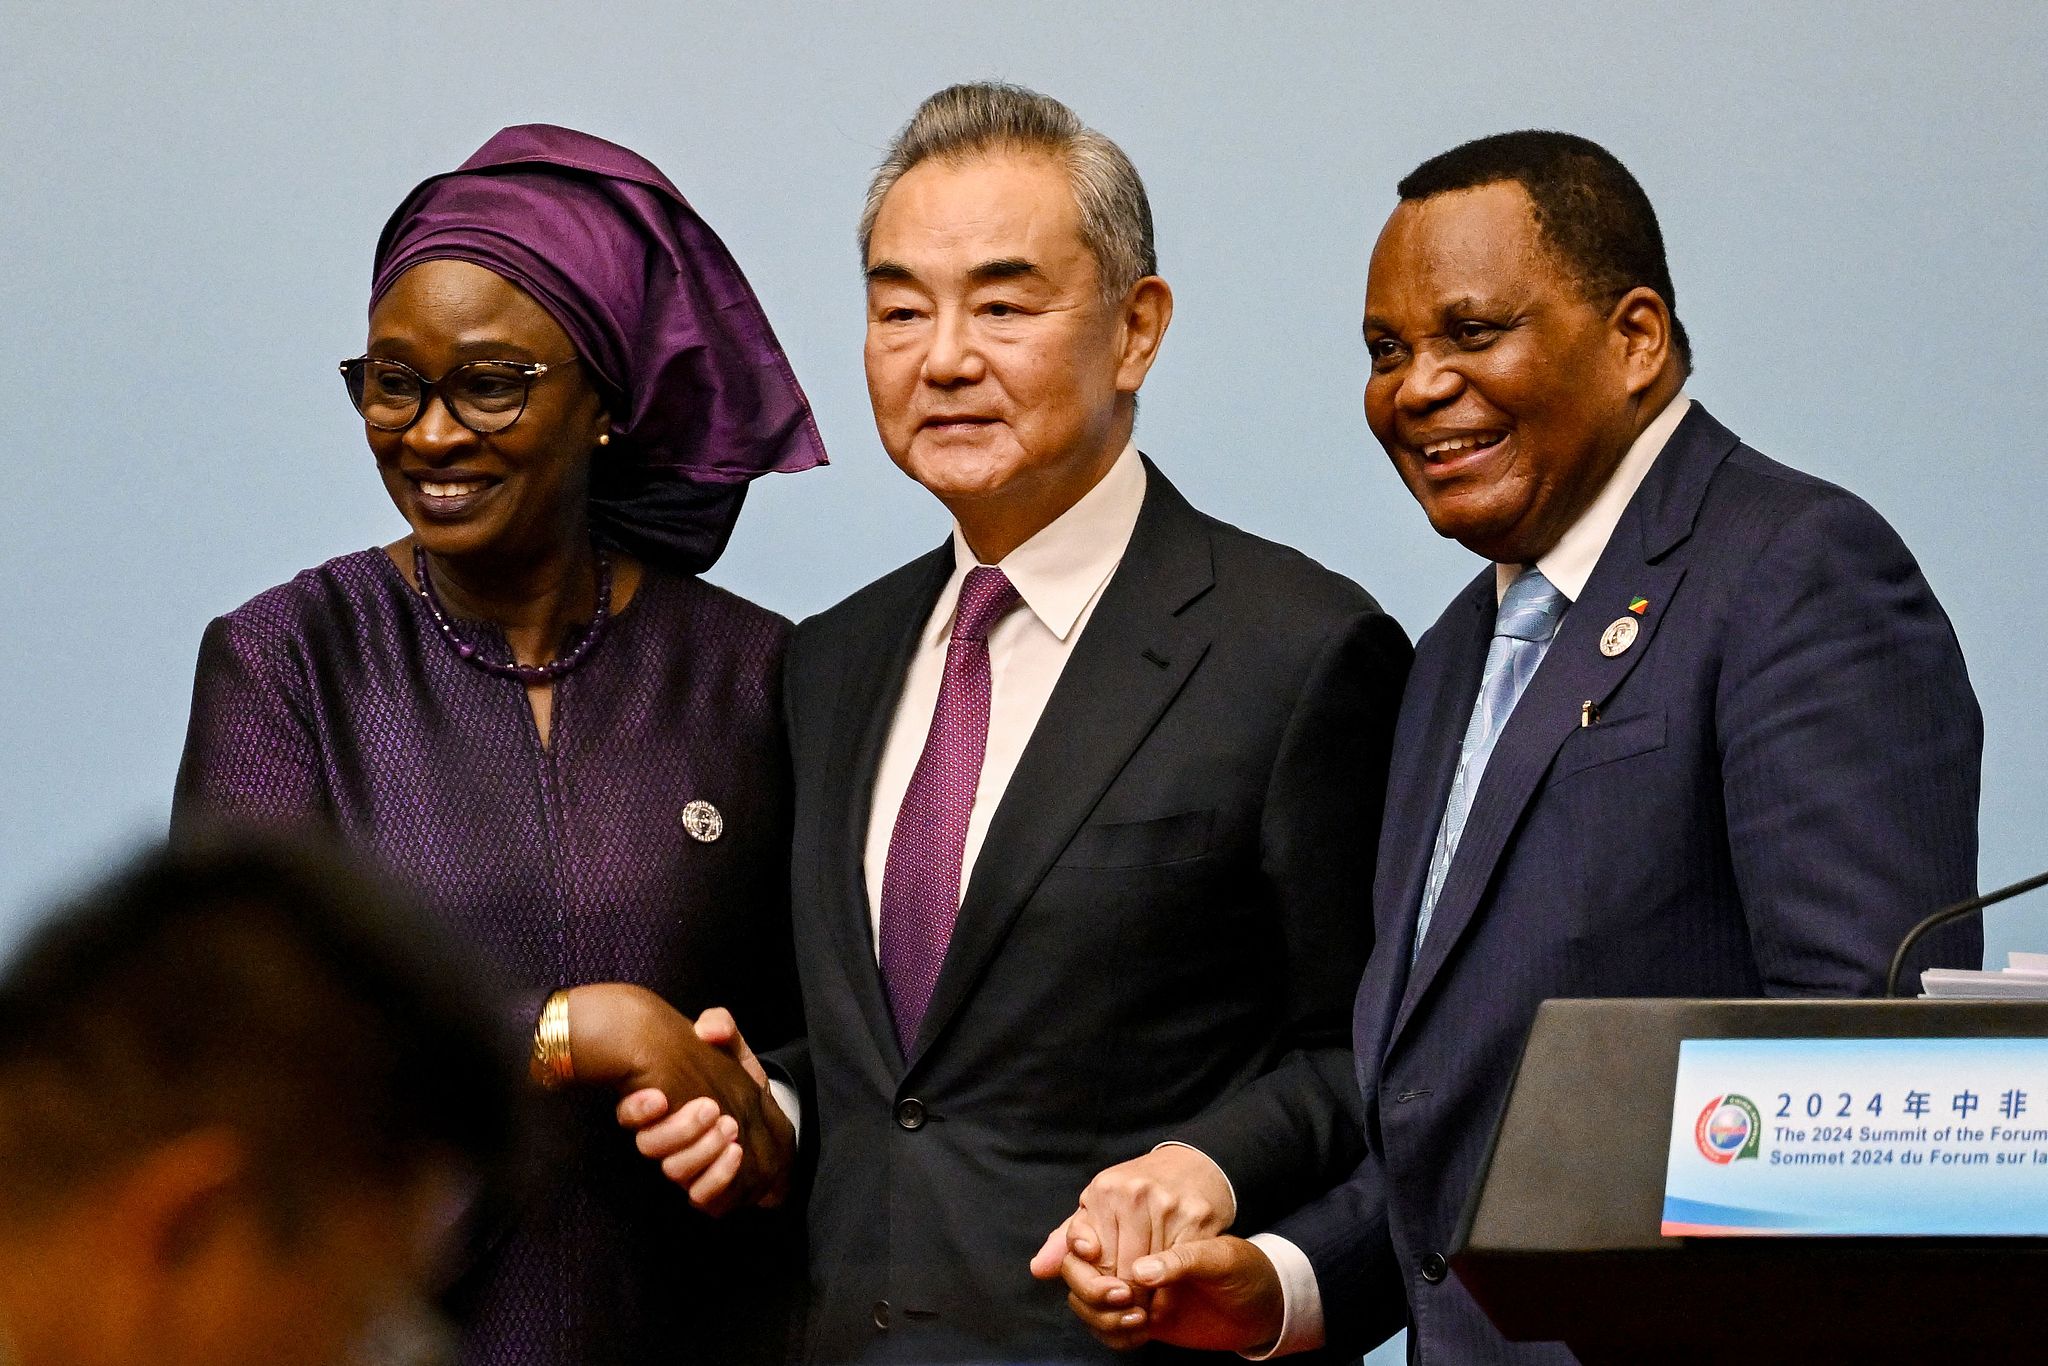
(962,122)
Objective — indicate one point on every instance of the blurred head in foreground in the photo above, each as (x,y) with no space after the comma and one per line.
(238,1088)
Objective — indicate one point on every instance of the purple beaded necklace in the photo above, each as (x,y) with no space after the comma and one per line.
(532,675)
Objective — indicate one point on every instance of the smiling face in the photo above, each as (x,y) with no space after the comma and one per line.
(1504,397)
(1001,379)
(511,497)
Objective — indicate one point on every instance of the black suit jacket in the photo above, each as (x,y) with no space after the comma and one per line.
(1783,778)
(1160,937)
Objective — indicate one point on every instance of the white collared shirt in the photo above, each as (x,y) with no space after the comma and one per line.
(1060,574)
(1568,565)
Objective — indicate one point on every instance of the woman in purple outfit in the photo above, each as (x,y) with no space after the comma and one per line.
(533,709)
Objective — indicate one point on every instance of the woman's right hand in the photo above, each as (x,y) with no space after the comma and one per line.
(741,1145)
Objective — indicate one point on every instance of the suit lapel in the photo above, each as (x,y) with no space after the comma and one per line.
(1444,685)
(1435,706)
(869,692)
(1637,564)
(1133,657)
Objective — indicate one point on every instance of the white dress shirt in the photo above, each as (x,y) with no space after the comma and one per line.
(1059,574)
(1567,565)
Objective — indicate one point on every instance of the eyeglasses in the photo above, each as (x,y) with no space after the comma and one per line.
(486,396)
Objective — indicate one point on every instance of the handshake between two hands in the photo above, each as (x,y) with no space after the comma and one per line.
(1144,1256)
(692,1093)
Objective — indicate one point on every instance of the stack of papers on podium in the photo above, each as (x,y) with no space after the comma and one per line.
(2024,978)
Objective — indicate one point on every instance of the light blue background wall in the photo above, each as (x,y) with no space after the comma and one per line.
(1853,195)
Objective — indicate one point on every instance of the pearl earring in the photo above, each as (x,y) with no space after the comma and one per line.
(604,438)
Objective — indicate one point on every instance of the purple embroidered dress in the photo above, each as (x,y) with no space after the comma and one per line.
(334,700)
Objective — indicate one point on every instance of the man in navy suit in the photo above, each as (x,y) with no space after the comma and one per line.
(1699,728)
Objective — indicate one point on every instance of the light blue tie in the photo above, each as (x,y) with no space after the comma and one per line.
(1522,630)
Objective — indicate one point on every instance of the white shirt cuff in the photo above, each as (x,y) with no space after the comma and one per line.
(792,1108)
(1176,1143)
(1301,1315)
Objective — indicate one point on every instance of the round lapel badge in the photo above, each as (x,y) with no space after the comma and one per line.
(702,822)
(1621,633)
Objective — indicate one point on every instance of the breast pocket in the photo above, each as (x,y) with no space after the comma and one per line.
(1139,844)
(1608,741)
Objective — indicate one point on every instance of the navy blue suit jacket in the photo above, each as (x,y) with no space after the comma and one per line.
(1782,779)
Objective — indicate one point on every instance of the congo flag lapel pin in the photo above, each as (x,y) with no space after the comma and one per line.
(1621,632)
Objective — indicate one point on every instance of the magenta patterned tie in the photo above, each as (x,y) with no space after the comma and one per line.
(921,880)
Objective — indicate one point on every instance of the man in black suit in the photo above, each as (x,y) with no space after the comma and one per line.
(1096,728)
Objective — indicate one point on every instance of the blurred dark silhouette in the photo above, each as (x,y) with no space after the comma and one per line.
(243,1091)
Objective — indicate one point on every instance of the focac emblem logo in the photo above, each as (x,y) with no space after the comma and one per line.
(1729,1129)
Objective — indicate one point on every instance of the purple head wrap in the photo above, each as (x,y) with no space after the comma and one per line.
(702,398)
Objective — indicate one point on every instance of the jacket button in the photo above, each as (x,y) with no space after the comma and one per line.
(882,1315)
(1434,1267)
(910,1113)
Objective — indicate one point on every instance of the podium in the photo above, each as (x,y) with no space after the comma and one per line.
(1560,1239)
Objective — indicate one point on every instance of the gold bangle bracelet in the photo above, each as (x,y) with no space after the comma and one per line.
(553,1065)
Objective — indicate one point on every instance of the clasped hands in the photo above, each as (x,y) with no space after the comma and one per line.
(1145,1259)
(692,1093)
(1144,1255)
